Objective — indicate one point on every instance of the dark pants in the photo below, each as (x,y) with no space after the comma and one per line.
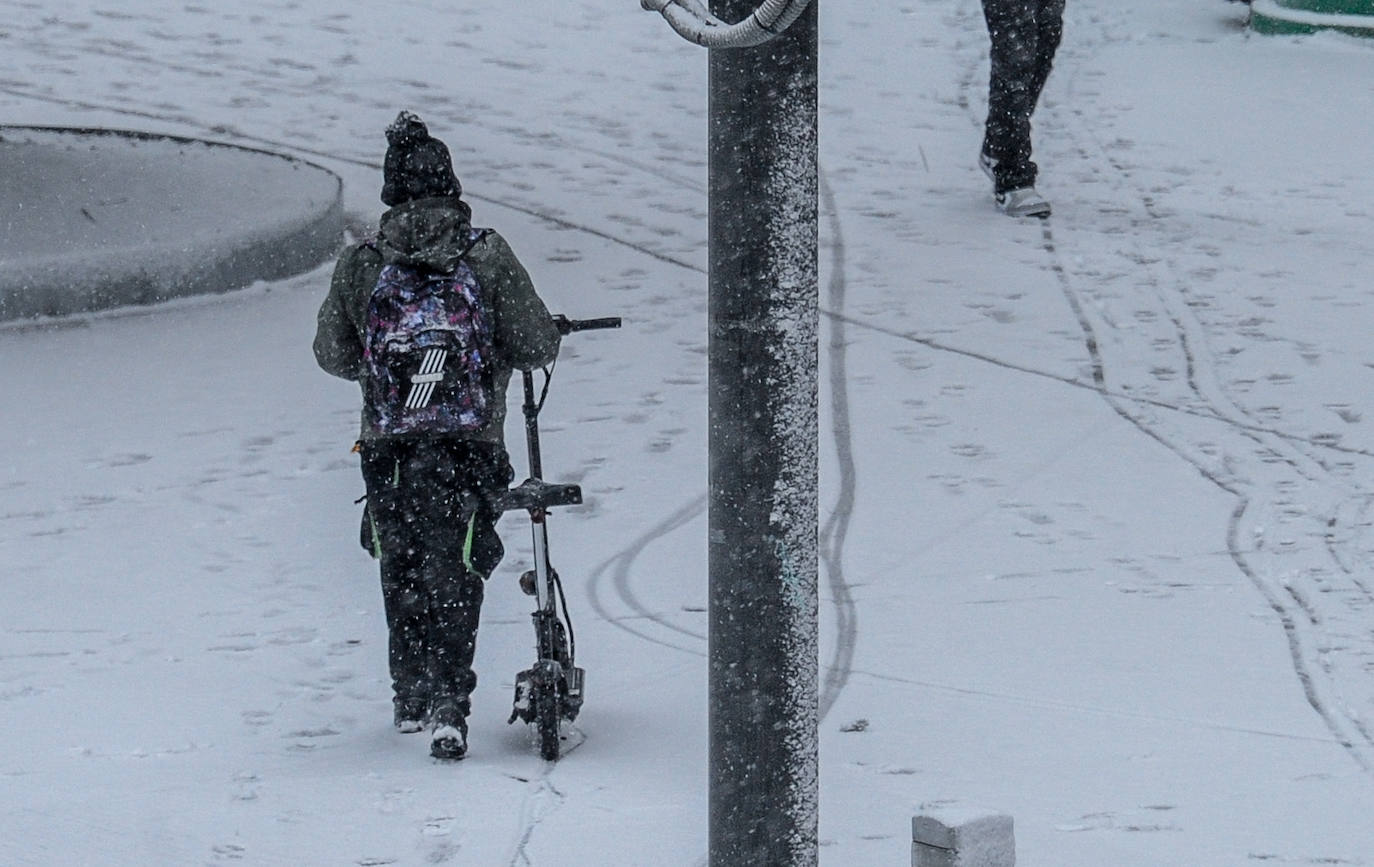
(421,499)
(1025,35)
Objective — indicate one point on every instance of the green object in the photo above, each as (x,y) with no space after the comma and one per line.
(1355,17)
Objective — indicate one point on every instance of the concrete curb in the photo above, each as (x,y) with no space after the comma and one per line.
(99,218)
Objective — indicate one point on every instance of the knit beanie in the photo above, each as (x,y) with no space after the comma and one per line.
(417,165)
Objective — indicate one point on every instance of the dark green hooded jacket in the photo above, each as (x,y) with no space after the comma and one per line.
(432,234)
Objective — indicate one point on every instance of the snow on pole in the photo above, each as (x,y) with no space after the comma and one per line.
(763,448)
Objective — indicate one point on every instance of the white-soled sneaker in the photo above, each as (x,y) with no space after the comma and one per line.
(1023,202)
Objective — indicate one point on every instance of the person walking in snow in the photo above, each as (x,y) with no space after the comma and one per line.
(430,318)
(1025,35)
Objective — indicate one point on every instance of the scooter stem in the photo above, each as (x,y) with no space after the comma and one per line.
(532,427)
(539,529)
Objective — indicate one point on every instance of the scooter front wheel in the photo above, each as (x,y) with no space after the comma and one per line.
(548,712)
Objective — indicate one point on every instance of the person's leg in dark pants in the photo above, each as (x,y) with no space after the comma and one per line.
(455,606)
(461,473)
(1024,35)
(391,511)
(465,471)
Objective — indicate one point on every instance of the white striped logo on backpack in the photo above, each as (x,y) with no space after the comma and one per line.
(422,384)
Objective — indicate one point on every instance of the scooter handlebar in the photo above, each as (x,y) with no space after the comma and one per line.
(568,326)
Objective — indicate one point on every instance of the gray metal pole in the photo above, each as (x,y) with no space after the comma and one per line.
(763,453)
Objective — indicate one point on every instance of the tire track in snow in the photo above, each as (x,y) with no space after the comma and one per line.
(542,799)
(1294,599)
(1294,631)
(1295,607)
(1335,544)
(1346,726)
(835,532)
(619,565)
(1188,331)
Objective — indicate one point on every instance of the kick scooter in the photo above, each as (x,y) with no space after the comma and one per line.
(551,690)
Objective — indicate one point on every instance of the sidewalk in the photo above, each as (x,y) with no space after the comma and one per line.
(97,218)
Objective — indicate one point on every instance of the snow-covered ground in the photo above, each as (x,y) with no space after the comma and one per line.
(1097,490)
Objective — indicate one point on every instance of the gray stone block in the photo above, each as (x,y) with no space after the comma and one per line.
(960,835)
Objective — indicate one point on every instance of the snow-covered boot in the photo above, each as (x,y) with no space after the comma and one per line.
(1023,202)
(449,737)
